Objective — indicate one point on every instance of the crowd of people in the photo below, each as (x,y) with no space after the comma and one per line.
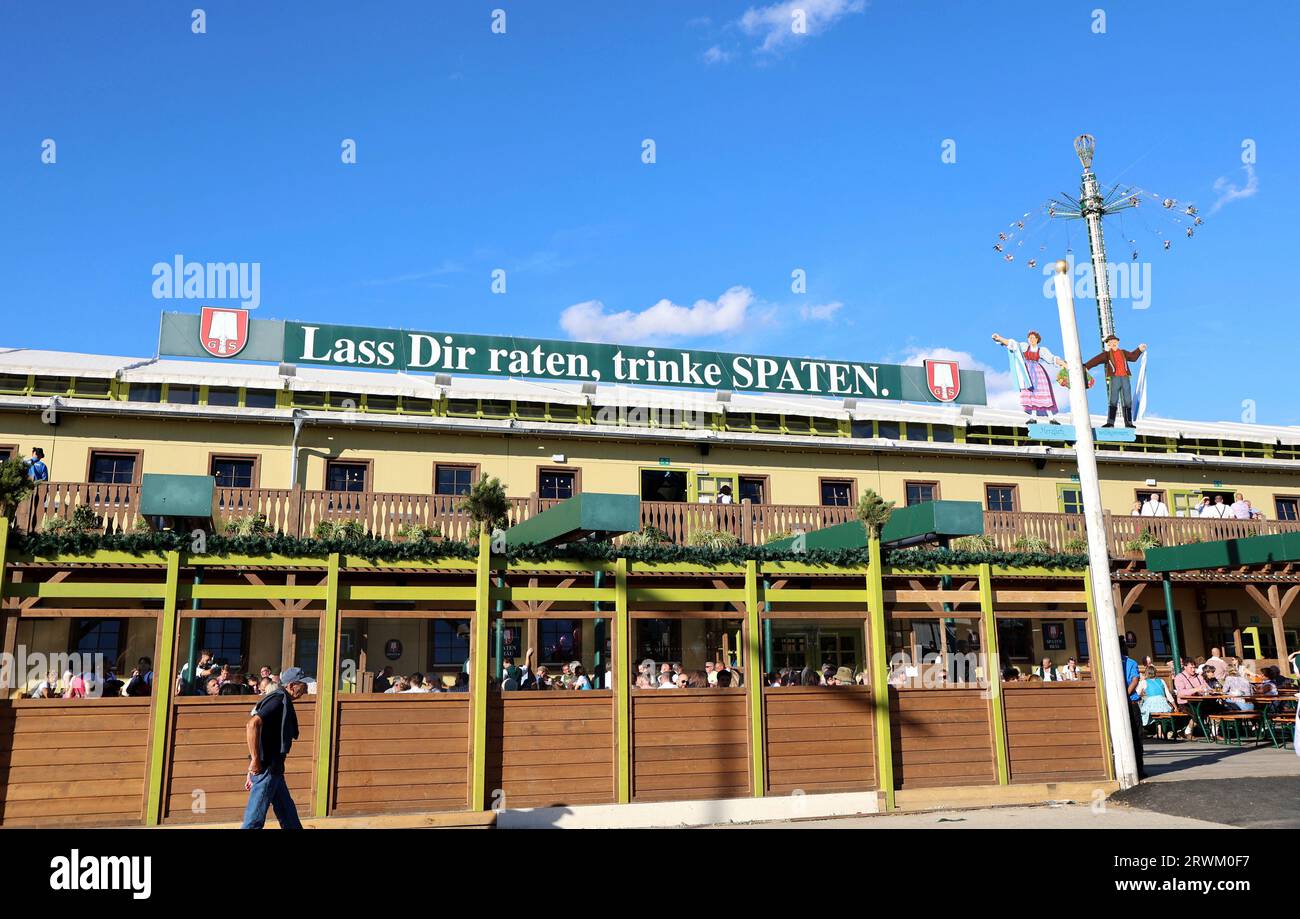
(88,685)
(222,678)
(1244,689)
(1215,508)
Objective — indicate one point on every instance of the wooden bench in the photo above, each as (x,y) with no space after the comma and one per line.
(1235,721)
(1168,720)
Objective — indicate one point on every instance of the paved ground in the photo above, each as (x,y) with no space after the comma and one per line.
(1192,785)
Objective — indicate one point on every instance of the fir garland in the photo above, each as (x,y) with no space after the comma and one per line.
(50,545)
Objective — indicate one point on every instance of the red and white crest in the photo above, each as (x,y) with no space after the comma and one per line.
(223,331)
(944,379)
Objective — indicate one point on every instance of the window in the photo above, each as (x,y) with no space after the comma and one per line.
(99,636)
(563,412)
(341,476)
(462,407)
(8,452)
(225,638)
(259,398)
(1161,644)
(920,492)
(235,471)
(560,640)
(453,480)
(1000,497)
(753,488)
(1081,639)
(13,382)
(1015,639)
(837,492)
(417,406)
(1287,508)
(556,484)
(531,411)
(887,430)
(769,424)
(223,395)
(52,386)
(112,468)
(182,395)
(941,433)
(92,387)
(659,640)
(663,485)
(1217,629)
(917,431)
(1069,499)
(309,399)
(144,392)
(381,403)
(862,429)
(449,643)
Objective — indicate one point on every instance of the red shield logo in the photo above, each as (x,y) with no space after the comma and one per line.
(944,379)
(223,331)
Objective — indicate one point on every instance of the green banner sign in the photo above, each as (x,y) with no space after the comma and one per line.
(508,356)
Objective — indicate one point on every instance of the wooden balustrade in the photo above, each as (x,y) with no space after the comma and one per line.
(387,515)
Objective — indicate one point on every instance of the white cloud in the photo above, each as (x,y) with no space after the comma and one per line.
(776,23)
(820,312)
(588,321)
(1001,389)
(715,55)
(1229,193)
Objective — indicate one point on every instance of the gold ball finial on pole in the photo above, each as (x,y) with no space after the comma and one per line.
(1062,266)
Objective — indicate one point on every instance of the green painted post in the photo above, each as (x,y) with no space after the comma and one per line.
(768,653)
(479,678)
(162,692)
(994,674)
(1167,584)
(878,657)
(754,678)
(327,687)
(623,681)
(194,633)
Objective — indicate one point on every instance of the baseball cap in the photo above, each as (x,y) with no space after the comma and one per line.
(293,675)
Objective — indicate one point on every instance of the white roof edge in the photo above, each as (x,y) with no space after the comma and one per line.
(315,378)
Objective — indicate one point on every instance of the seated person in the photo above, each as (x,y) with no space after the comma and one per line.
(1238,687)
(1188,687)
(1156,699)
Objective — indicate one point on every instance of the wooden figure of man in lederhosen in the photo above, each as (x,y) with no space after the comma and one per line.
(1119,378)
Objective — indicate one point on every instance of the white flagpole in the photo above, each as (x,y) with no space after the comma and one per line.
(1114,687)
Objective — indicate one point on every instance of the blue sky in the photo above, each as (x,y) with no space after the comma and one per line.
(774,152)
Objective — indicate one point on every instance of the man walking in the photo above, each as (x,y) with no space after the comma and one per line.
(271,733)
(1119,378)
(1132,681)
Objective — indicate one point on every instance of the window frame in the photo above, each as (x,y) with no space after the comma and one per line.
(574,471)
(123,624)
(1015,496)
(13,451)
(1277,509)
(474,474)
(822,481)
(1139,492)
(215,457)
(922,482)
(1061,489)
(137,470)
(367,483)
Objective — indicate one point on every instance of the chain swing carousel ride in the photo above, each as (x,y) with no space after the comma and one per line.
(1138,214)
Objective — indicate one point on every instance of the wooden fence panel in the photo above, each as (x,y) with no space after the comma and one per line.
(551,748)
(402,752)
(819,739)
(209,759)
(73,762)
(1053,732)
(941,737)
(689,744)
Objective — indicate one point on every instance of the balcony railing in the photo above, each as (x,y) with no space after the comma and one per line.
(298,512)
